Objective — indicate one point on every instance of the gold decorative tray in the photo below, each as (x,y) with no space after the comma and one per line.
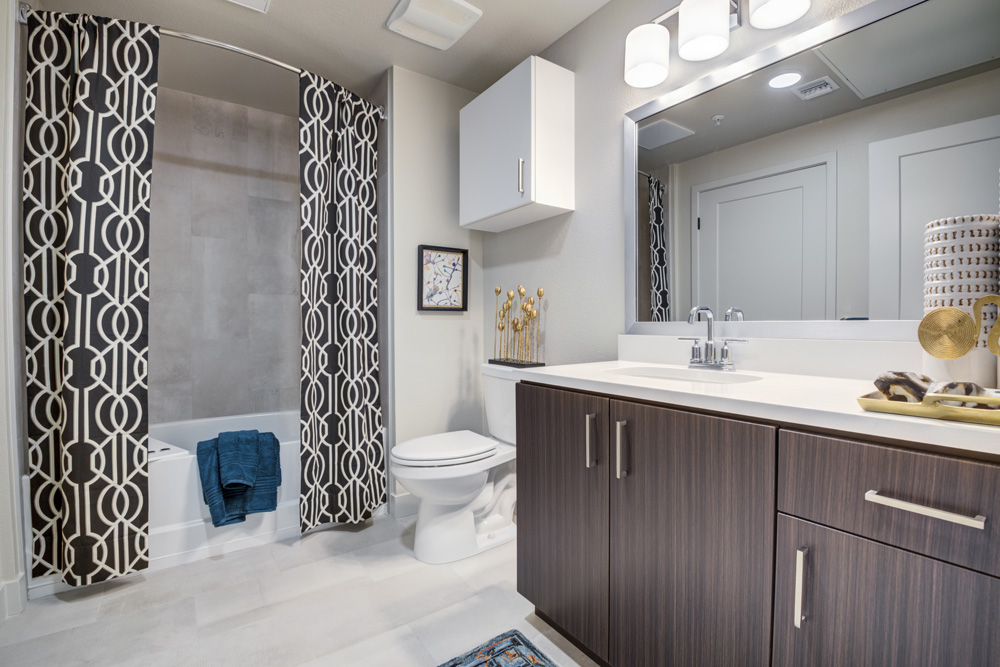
(932,407)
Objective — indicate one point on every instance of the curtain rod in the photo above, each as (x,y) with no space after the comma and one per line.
(24,9)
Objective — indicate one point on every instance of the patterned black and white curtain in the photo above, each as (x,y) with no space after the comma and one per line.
(343,463)
(659,255)
(88,149)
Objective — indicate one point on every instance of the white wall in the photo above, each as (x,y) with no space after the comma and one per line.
(437,355)
(847,135)
(12,580)
(579,257)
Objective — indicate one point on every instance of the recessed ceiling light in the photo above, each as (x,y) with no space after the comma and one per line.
(256,5)
(785,80)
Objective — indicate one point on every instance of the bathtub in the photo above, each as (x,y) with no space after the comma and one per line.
(180,527)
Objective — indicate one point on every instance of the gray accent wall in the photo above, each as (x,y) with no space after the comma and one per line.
(224,260)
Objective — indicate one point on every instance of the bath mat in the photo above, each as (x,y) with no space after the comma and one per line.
(511,649)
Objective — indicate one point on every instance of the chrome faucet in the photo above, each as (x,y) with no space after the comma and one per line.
(707,358)
(734,314)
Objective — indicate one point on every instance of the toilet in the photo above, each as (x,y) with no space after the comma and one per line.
(465,482)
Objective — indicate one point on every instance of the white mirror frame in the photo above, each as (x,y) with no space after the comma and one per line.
(902,330)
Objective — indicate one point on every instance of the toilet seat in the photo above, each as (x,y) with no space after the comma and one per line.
(444,449)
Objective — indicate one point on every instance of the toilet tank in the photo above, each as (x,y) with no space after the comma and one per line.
(499,396)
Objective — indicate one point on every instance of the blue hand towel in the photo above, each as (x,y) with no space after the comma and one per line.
(263,496)
(226,507)
(238,459)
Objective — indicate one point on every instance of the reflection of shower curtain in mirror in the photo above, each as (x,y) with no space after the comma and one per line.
(659,255)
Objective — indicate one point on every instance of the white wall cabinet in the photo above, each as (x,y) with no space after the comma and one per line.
(517,151)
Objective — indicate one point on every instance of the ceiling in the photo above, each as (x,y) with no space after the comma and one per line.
(925,46)
(345,41)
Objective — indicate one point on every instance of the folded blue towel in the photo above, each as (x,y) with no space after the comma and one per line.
(226,507)
(231,505)
(263,496)
(238,455)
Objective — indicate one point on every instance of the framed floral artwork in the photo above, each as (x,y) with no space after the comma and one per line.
(442,278)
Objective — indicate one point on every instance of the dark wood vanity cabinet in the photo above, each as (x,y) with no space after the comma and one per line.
(562,510)
(692,531)
(889,578)
(648,535)
(655,548)
(866,603)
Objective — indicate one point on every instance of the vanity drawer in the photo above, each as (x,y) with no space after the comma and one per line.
(830,481)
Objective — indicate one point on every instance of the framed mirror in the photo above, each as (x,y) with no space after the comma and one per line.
(795,185)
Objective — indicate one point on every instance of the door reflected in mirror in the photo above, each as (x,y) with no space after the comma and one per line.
(801,191)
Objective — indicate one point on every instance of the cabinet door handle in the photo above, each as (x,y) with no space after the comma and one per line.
(620,472)
(520,175)
(800,567)
(978,521)
(591,459)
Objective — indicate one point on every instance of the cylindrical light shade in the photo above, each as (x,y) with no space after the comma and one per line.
(703,29)
(647,56)
(767,14)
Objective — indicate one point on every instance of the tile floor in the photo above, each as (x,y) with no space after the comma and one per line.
(344,596)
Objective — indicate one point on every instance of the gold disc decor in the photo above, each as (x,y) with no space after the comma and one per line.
(947,333)
(993,339)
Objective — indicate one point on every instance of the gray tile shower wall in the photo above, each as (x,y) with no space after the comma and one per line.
(224,260)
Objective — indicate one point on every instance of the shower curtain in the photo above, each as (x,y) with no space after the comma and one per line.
(91,95)
(343,464)
(659,255)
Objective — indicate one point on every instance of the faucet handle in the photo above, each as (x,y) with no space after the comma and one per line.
(727,357)
(695,348)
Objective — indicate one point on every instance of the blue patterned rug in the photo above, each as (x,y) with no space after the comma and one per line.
(511,649)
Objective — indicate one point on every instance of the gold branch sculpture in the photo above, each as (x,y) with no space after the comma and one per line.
(517,327)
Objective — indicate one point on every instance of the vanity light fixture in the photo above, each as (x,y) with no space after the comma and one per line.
(768,14)
(703,26)
(703,29)
(785,79)
(647,56)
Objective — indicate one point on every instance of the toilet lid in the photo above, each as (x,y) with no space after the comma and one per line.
(453,447)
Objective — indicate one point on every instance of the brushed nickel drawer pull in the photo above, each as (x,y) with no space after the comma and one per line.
(520,175)
(978,521)
(591,460)
(621,473)
(800,567)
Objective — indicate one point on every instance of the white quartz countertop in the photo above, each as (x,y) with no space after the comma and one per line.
(808,401)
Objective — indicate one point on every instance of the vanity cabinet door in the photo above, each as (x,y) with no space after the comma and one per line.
(692,530)
(562,509)
(866,603)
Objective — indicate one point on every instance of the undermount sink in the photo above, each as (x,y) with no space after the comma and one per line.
(684,374)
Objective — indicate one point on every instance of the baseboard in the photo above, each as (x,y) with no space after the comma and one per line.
(13,597)
(404,504)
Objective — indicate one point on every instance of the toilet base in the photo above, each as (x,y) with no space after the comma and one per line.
(445,533)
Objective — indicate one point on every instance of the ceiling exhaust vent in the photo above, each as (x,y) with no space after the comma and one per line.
(256,5)
(817,88)
(437,23)
(661,133)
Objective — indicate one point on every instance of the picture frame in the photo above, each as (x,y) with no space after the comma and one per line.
(442,278)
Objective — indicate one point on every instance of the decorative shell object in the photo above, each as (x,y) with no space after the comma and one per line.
(970,389)
(903,386)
